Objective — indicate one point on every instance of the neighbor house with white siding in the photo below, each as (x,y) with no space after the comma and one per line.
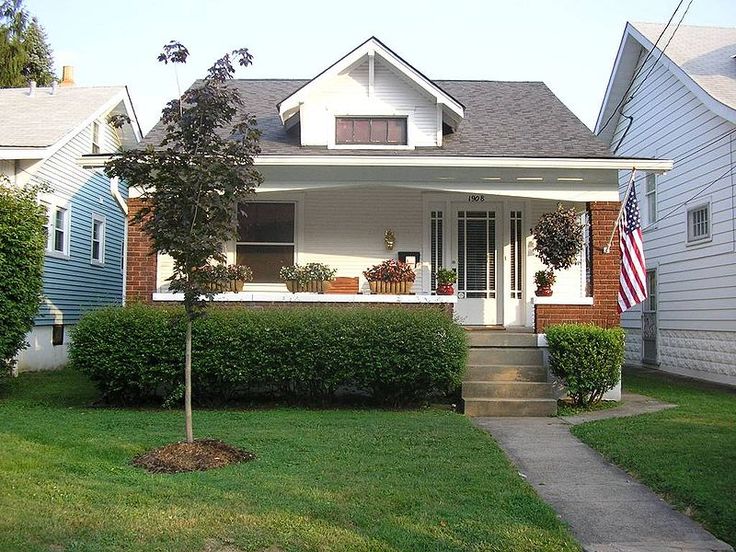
(44,133)
(680,104)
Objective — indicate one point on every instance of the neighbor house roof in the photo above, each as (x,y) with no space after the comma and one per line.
(706,54)
(502,119)
(702,58)
(42,119)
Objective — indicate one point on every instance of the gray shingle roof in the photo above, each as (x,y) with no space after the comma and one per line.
(704,53)
(502,119)
(43,119)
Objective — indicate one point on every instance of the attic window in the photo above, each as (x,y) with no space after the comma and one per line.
(370,130)
(95,137)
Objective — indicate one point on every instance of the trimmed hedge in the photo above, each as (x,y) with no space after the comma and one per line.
(587,358)
(135,354)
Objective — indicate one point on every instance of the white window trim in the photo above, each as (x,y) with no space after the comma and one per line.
(94,143)
(695,207)
(648,198)
(53,204)
(410,138)
(103,236)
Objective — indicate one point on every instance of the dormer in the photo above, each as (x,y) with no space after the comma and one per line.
(371,99)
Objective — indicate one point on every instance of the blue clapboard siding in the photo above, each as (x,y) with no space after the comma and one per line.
(74,285)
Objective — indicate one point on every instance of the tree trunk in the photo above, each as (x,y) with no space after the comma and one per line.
(188,384)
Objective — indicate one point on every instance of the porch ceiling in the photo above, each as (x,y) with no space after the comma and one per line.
(541,183)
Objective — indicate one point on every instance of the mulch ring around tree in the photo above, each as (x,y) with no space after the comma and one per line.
(201,455)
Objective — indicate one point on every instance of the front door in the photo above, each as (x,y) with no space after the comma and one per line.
(475,258)
(649,321)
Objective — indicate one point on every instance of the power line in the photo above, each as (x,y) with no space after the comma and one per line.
(697,149)
(702,190)
(639,70)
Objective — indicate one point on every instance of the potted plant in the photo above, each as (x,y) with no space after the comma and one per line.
(544,279)
(445,279)
(237,276)
(308,278)
(390,277)
(559,240)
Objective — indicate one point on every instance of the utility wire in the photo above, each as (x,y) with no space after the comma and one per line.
(624,97)
(697,149)
(702,190)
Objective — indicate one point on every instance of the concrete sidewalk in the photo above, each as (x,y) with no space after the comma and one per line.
(607,510)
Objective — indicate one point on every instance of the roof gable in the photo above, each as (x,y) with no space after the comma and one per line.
(700,57)
(289,106)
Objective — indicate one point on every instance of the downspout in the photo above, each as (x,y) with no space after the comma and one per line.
(120,200)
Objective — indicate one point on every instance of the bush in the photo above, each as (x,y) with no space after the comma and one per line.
(22,245)
(587,358)
(136,354)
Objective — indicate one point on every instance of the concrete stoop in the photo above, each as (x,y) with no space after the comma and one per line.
(506,376)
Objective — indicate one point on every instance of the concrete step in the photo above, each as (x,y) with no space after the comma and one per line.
(510,407)
(506,373)
(506,390)
(495,338)
(514,356)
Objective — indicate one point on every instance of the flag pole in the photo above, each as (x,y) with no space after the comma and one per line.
(607,248)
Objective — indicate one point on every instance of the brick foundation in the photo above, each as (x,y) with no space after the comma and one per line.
(605,276)
(140,282)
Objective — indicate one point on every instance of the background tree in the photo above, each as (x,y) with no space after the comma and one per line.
(192,183)
(22,246)
(25,53)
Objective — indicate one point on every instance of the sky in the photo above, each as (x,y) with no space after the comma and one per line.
(569,44)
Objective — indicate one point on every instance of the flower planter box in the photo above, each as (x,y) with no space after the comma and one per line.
(316,286)
(390,288)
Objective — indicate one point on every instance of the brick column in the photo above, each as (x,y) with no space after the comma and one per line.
(141,260)
(605,275)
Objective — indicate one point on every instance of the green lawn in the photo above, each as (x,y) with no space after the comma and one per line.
(686,454)
(324,480)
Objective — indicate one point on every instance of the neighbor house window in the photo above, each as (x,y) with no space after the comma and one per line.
(698,223)
(266,238)
(98,239)
(95,137)
(58,230)
(651,194)
(370,130)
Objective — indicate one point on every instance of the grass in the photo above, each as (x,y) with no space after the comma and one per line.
(566,409)
(327,480)
(686,454)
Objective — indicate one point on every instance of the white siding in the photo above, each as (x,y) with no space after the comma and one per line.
(696,283)
(347,94)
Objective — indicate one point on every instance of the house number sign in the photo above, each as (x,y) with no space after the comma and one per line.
(476,198)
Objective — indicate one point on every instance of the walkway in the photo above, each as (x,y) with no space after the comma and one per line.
(607,510)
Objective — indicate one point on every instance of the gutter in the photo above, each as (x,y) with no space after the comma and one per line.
(120,200)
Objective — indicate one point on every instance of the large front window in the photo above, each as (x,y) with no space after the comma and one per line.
(370,130)
(266,238)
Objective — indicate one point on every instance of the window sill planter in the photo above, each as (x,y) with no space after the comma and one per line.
(390,288)
(315,286)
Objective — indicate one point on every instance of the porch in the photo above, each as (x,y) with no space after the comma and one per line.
(474,217)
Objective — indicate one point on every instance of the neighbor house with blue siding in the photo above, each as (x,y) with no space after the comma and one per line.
(44,136)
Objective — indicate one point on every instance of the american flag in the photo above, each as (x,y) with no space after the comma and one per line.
(632,287)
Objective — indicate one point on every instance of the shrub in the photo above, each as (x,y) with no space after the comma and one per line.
(134,354)
(587,358)
(22,244)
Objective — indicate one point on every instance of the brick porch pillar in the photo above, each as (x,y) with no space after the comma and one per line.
(141,260)
(605,276)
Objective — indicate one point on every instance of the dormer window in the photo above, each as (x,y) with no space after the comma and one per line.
(390,131)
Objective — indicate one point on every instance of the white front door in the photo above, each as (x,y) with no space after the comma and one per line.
(475,257)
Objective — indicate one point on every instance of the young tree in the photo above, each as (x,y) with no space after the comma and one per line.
(192,183)
(24,50)
(22,246)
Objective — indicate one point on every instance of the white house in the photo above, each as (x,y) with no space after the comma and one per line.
(680,104)
(44,132)
(457,171)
